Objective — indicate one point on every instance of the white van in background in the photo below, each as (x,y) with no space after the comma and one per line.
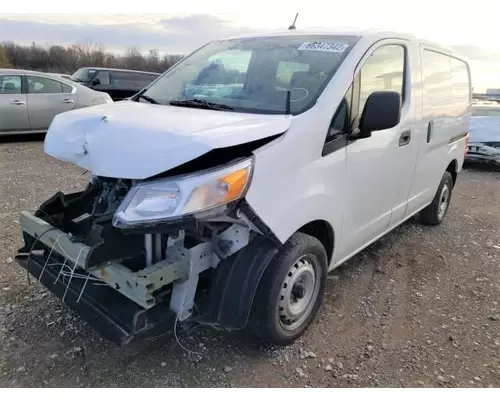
(229,207)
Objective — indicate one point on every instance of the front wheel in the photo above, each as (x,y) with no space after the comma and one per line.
(291,291)
(435,212)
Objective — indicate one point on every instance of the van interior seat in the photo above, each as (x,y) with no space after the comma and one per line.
(310,80)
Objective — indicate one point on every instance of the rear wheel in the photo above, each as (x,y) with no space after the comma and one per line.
(291,291)
(435,212)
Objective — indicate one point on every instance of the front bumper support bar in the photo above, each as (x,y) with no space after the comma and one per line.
(115,317)
(138,286)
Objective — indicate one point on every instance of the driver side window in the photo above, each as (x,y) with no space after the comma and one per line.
(383,70)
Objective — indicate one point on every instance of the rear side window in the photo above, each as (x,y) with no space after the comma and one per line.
(384,70)
(41,85)
(66,88)
(122,80)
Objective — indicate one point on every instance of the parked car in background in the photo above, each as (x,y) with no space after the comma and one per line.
(118,83)
(30,100)
(484,140)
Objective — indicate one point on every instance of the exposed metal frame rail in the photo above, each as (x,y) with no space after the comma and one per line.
(137,286)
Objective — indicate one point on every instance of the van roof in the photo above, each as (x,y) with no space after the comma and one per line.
(370,33)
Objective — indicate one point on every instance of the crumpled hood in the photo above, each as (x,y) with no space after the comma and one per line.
(136,141)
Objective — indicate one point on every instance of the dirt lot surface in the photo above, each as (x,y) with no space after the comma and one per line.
(419,308)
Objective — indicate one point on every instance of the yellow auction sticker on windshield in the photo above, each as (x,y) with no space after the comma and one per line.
(322,46)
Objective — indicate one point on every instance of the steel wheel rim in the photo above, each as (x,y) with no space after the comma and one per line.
(298,294)
(444,199)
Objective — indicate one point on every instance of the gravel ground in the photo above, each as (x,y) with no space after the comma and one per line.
(418,308)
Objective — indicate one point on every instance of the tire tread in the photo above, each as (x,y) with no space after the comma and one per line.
(259,320)
(429,215)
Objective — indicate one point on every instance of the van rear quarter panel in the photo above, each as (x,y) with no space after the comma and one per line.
(446,102)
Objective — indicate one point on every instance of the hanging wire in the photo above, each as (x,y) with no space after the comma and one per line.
(64,265)
(87,277)
(72,273)
(177,338)
(31,252)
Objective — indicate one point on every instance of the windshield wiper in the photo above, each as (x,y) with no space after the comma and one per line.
(200,104)
(147,98)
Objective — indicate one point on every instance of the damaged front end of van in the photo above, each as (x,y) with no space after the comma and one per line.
(162,234)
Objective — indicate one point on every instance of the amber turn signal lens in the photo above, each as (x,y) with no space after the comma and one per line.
(233,184)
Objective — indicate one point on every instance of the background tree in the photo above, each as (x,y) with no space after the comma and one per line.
(4,60)
(67,59)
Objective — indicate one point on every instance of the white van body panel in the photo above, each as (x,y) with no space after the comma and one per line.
(136,141)
(291,186)
(369,187)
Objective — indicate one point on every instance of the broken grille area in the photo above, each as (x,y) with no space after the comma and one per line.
(116,318)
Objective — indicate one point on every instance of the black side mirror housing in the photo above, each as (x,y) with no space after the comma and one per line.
(96,82)
(382,111)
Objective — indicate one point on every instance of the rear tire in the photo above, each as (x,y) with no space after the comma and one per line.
(291,291)
(435,212)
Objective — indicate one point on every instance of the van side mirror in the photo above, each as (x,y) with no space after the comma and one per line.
(382,111)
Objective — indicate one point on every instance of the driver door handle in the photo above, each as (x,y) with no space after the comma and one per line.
(68,101)
(404,138)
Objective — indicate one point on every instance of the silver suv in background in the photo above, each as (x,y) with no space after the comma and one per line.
(30,100)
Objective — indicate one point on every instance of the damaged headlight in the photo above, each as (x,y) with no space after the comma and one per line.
(172,198)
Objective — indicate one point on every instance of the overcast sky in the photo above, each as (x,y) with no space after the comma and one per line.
(471,28)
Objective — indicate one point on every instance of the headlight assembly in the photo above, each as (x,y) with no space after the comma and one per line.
(148,203)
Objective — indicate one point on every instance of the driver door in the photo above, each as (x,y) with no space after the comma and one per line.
(374,164)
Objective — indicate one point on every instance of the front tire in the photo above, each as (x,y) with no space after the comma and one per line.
(291,291)
(435,212)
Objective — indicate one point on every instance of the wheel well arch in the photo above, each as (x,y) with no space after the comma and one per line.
(237,278)
(452,168)
(323,231)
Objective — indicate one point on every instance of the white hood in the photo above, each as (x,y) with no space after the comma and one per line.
(136,141)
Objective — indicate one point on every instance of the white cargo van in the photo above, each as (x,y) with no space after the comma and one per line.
(229,207)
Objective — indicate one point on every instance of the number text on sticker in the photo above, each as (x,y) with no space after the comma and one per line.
(321,46)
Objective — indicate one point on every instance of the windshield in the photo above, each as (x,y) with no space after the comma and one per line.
(255,74)
(83,75)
